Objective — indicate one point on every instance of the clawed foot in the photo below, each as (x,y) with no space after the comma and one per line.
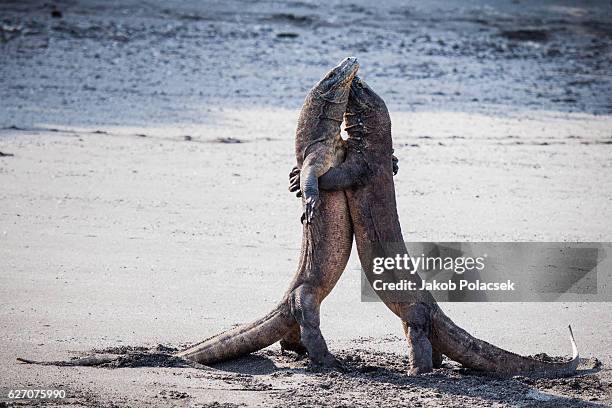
(395,165)
(294,182)
(312,203)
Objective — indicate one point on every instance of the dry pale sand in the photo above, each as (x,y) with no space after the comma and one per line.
(118,230)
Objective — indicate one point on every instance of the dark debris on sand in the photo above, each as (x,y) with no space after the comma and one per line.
(369,378)
(377,378)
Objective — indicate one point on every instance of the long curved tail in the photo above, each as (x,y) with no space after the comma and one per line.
(244,339)
(471,352)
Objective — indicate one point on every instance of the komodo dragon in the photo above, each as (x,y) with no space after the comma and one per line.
(367,178)
(326,241)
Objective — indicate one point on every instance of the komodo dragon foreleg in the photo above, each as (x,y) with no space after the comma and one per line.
(336,178)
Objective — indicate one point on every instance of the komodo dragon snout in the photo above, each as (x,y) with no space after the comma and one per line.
(335,83)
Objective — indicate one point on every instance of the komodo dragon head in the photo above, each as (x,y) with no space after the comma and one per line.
(367,121)
(323,108)
(364,103)
(334,87)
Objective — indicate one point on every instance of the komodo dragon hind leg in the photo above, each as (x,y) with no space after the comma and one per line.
(305,310)
(416,322)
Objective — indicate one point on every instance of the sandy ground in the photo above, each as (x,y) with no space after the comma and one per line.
(143,198)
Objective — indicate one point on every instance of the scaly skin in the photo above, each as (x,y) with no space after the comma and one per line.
(326,239)
(367,178)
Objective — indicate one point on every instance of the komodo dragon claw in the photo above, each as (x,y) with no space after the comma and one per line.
(294,182)
(312,203)
(395,165)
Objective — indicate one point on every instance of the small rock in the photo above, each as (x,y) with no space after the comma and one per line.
(538,396)
(228,140)
(526,35)
(287,35)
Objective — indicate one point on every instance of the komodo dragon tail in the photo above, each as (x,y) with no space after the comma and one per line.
(471,352)
(243,339)
(224,346)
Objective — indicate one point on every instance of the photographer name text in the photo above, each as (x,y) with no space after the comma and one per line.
(434,285)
